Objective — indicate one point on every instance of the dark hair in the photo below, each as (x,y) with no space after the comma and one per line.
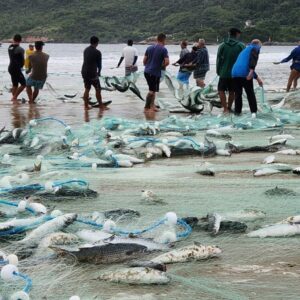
(161,37)
(18,38)
(130,42)
(234,31)
(94,40)
(184,43)
(194,48)
(39,45)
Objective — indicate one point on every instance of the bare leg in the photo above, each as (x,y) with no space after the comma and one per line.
(149,101)
(99,99)
(35,94)
(295,82)
(19,91)
(29,93)
(222,96)
(86,96)
(293,75)
(13,92)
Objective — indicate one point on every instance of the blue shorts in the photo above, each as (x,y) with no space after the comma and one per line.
(37,84)
(184,77)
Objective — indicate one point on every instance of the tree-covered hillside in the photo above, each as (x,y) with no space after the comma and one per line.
(118,20)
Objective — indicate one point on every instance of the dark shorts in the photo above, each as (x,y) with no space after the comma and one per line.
(153,82)
(226,84)
(17,77)
(95,82)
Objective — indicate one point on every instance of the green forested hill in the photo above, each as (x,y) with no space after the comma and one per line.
(118,20)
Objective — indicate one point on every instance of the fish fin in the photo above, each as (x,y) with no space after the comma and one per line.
(217,223)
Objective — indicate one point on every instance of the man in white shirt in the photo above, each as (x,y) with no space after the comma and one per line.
(130,54)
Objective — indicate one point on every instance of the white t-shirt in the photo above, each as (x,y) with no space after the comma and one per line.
(129,53)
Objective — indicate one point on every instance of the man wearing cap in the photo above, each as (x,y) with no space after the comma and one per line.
(28,52)
(38,63)
(228,53)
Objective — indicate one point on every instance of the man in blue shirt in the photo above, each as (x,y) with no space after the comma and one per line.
(156,58)
(243,72)
(295,67)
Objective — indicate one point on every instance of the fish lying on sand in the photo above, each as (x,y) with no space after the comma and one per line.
(54,225)
(104,253)
(277,191)
(188,253)
(277,230)
(137,275)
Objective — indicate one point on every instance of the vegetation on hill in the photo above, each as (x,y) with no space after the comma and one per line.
(118,20)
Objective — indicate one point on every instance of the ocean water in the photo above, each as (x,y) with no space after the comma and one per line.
(248,268)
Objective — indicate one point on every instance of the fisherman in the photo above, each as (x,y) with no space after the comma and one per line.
(130,54)
(184,49)
(185,71)
(201,64)
(295,67)
(228,53)
(28,52)
(38,64)
(91,71)
(243,73)
(156,58)
(16,57)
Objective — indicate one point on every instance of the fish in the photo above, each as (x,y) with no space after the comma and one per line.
(280,192)
(277,230)
(20,224)
(132,159)
(265,172)
(206,172)
(148,264)
(296,171)
(149,243)
(105,253)
(269,159)
(246,215)
(54,225)
(58,238)
(291,220)
(281,137)
(223,152)
(278,142)
(68,192)
(188,253)
(289,152)
(136,276)
(217,134)
(93,236)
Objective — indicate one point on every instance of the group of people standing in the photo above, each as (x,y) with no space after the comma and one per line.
(35,64)
(235,67)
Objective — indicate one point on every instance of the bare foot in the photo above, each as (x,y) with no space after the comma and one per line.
(148,110)
(154,108)
(31,102)
(13,99)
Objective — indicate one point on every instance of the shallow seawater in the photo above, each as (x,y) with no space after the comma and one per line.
(249,268)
